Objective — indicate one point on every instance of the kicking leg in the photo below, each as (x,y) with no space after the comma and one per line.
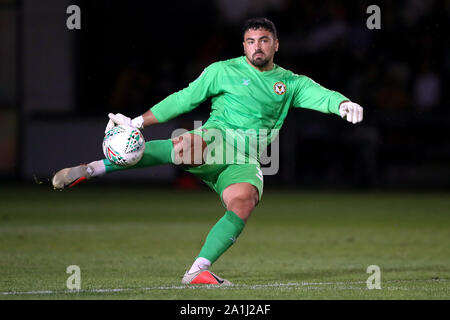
(157,152)
(186,149)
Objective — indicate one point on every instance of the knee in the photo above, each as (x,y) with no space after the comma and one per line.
(188,149)
(242,205)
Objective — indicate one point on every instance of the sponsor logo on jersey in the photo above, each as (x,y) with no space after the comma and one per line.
(279,88)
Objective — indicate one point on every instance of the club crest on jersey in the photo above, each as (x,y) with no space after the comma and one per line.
(279,88)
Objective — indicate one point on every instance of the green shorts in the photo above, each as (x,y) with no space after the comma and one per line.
(220,176)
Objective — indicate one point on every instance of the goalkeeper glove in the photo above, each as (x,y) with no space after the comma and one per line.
(351,111)
(120,119)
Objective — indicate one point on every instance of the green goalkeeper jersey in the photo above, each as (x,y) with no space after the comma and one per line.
(245,98)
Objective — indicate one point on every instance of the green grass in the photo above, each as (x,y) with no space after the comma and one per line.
(297,245)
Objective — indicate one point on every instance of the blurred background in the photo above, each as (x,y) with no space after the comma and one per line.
(58,85)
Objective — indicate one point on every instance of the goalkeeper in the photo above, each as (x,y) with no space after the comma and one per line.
(248,92)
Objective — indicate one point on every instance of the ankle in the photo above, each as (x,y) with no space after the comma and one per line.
(98,168)
(199,264)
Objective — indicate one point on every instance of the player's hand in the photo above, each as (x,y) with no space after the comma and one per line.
(351,111)
(120,119)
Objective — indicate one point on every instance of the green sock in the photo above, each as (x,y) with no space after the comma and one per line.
(222,235)
(156,152)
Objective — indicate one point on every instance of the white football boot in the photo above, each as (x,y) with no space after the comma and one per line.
(70,177)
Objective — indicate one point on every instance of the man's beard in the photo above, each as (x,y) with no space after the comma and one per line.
(260,61)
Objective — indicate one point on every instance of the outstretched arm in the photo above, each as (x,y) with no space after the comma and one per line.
(311,95)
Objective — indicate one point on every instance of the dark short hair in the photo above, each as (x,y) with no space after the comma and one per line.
(256,23)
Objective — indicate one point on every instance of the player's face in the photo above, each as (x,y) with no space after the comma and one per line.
(260,47)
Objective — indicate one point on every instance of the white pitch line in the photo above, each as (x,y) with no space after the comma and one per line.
(179,287)
(235,286)
(6,293)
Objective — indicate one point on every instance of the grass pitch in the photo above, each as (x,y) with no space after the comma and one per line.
(137,242)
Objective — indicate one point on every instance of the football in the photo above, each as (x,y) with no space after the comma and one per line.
(124,145)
